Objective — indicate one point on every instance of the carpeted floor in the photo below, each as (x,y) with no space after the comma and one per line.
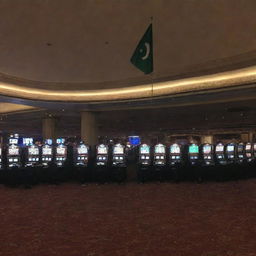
(151,219)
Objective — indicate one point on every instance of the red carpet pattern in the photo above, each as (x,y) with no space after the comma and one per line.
(151,219)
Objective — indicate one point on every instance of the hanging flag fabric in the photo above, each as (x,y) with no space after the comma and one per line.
(142,57)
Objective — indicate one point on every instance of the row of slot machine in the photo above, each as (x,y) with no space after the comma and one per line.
(194,154)
(159,155)
(33,155)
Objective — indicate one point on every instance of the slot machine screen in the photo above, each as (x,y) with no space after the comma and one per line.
(60,150)
(0,152)
(102,150)
(207,149)
(118,150)
(254,146)
(13,151)
(82,150)
(175,149)
(27,141)
(230,148)
(220,148)
(34,151)
(240,148)
(47,151)
(193,149)
(248,147)
(160,149)
(144,149)
(13,141)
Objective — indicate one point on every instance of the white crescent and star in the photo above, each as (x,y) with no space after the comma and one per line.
(147,45)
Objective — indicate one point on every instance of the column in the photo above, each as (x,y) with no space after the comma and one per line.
(48,130)
(89,128)
(245,137)
(251,137)
(207,139)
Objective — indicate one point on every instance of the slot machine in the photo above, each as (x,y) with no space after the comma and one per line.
(193,154)
(159,155)
(231,156)
(231,153)
(118,156)
(82,155)
(220,161)
(144,163)
(101,173)
(60,152)
(118,163)
(32,156)
(159,161)
(102,155)
(175,156)
(13,152)
(241,152)
(220,158)
(144,156)
(176,161)
(207,154)
(47,153)
(249,152)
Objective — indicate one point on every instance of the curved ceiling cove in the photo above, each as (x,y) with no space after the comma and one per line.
(80,50)
(219,80)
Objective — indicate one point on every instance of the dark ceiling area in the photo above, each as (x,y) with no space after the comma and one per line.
(215,118)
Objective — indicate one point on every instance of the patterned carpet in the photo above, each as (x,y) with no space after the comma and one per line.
(133,219)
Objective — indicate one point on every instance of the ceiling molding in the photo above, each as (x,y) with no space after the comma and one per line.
(194,84)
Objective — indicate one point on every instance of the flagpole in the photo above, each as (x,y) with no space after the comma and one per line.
(152,74)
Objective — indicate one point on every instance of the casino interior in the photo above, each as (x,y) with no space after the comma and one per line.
(66,75)
(70,75)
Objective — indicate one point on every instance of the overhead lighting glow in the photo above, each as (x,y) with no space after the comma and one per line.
(219,80)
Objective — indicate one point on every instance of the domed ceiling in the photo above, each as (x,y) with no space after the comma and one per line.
(86,45)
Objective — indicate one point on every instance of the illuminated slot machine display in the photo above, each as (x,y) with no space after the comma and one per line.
(231,153)
(159,155)
(82,154)
(102,155)
(175,154)
(193,154)
(33,156)
(144,155)
(47,152)
(207,154)
(241,152)
(220,154)
(118,158)
(13,152)
(61,152)
(248,152)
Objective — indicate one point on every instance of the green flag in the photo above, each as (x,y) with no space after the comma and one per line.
(142,57)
